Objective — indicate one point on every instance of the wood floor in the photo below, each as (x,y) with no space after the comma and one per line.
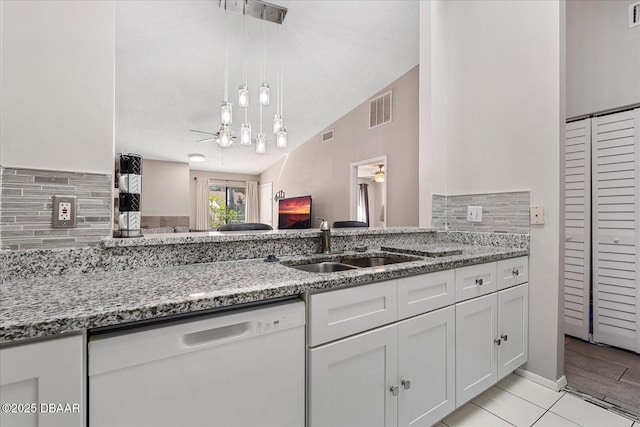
(606,373)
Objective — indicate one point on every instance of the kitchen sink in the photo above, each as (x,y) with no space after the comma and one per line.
(346,263)
(323,267)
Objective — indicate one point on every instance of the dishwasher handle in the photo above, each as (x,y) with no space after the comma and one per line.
(214,335)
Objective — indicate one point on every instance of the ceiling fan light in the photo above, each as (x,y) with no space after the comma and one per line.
(378,176)
(277,123)
(261,143)
(243,96)
(264,93)
(245,134)
(225,138)
(281,138)
(197,157)
(226,114)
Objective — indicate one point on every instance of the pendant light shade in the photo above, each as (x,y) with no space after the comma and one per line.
(226,115)
(261,143)
(243,96)
(245,134)
(281,138)
(264,94)
(225,137)
(277,123)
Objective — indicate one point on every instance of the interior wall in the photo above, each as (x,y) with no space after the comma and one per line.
(57,83)
(504,116)
(603,57)
(322,169)
(233,178)
(165,188)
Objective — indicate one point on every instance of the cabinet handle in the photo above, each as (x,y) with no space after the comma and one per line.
(515,272)
(504,337)
(497,341)
(479,282)
(406,384)
(616,240)
(394,390)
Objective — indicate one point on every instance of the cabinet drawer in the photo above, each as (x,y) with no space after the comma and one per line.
(420,294)
(344,312)
(475,280)
(514,271)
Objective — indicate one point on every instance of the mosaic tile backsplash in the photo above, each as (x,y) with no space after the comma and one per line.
(501,212)
(26,201)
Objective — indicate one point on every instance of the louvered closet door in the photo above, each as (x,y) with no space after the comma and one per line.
(577,229)
(616,196)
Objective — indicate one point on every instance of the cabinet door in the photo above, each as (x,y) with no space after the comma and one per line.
(426,348)
(426,292)
(476,280)
(44,373)
(350,381)
(476,351)
(513,328)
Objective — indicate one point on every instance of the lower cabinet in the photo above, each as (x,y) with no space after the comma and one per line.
(491,340)
(401,374)
(42,383)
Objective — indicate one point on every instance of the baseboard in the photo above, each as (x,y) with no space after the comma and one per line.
(553,385)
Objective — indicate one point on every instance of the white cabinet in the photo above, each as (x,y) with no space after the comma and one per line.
(491,340)
(476,280)
(401,374)
(44,382)
(513,271)
(350,380)
(425,292)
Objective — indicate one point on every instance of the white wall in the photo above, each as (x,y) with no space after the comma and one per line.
(323,169)
(603,57)
(57,84)
(501,127)
(165,188)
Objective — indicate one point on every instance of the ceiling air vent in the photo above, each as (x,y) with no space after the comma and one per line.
(634,14)
(327,136)
(380,110)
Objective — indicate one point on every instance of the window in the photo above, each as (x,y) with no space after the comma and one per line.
(227,204)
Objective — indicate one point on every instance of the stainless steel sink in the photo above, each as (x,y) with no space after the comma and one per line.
(350,263)
(373,261)
(323,267)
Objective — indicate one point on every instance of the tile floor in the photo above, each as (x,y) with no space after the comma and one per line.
(516,401)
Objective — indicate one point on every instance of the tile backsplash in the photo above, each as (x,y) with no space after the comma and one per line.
(501,212)
(26,208)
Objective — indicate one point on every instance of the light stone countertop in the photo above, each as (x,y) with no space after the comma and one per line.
(47,306)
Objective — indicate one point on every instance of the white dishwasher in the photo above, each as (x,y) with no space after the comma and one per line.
(238,368)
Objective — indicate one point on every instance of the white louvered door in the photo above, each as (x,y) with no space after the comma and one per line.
(577,228)
(616,258)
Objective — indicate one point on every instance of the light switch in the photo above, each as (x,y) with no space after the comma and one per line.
(474,213)
(537,215)
(64,211)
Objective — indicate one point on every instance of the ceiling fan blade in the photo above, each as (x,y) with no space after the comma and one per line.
(205,140)
(201,131)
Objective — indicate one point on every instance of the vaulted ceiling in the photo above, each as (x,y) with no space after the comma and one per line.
(170,62)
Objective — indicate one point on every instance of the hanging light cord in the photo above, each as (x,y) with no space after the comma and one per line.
(226,57)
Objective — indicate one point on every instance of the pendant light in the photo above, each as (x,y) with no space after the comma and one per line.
(226,111)
(261,138)
(243,95)
(264,95)
(278,123)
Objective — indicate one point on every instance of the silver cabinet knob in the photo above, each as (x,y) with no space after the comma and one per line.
(479,282)
(406,384)
(504,337)
(616,240)
(515,273)
(394,390)
(497,341)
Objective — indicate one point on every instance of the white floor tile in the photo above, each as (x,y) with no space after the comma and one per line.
(509,407)
(440,424)
(552,420)
(470,415)
(587,414)
(530,391)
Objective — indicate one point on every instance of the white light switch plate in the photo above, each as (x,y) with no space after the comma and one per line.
(537,215)
(474,213)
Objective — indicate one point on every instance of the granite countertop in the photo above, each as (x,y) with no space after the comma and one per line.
(47,306)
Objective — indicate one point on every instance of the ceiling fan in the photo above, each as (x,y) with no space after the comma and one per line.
(378,176)
(213,136)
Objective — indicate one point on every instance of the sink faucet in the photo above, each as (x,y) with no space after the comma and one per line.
(326,236)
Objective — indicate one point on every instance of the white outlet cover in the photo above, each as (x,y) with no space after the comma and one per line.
(537,215)
(474,213)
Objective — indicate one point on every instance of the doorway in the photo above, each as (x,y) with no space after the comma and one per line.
(368,188)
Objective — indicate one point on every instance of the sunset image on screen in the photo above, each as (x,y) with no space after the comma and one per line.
(295,212)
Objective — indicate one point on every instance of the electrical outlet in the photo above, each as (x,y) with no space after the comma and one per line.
(64,211)
(474,213)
